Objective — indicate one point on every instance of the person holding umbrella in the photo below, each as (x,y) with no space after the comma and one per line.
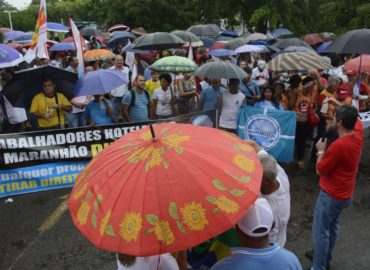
(49,107)
(99,111)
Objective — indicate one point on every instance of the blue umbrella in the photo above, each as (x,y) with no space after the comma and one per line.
(120,37)
(23,39)
(322,48)
(13,34)
(99,82)
(207,42)
(56,27)
(9,57)
(279,32)
(63,46)
(222,52)
(229,33)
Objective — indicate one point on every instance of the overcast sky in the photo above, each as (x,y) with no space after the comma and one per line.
(20,4)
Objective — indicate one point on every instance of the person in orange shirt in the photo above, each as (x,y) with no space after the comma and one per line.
(303,106)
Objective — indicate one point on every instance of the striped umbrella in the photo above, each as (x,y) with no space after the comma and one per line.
(298,61)
(118,27)
(176,64)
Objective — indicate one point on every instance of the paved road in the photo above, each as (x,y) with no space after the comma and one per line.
(37,232)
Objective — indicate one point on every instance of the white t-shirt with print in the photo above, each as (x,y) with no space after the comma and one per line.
(164,104)
(230,109)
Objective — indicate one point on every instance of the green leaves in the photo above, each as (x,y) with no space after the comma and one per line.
(217,183)
(172,210)
(152,219)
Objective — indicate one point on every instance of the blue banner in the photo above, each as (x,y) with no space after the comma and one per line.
(274,130)
(39,177)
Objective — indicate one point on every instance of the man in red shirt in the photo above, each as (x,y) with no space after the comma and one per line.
(337,167)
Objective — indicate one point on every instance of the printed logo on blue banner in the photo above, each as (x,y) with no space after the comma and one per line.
(263,129)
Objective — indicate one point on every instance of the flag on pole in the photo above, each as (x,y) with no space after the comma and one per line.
(133,75)
(130,59)
(190,54)
(274,130)
(38,44)
(79,44)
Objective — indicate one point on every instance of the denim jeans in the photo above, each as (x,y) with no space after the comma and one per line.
(325,228)
(116,107)
(76,120)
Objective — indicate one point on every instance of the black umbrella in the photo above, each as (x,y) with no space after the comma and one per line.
(158,41)
(27,83)
(284,43)
(121,37)
(235,43)
(88,32)
(220,70)
(355,41)
(207,30)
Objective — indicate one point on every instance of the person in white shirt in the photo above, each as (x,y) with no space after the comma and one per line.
(119,92)
(275,188)
(260,74)
(231,102)
(156,262)
(164,98)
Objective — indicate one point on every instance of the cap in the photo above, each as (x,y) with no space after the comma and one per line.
(258,216)
(343,91)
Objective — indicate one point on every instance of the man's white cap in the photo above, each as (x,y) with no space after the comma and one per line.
(259,215)
(261,63)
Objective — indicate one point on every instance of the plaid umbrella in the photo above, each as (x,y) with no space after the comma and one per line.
(220,70)
(175,64)
(298,61)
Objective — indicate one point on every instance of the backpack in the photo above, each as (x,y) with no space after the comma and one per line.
(133,99)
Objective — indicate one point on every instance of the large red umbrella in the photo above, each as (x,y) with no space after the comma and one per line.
(354,64)
(142,196)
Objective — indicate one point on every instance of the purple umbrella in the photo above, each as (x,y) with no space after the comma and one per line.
(99,82)
(9,57)
(221,52)
(63,46)
(56,27)
(23,39)
(13,34)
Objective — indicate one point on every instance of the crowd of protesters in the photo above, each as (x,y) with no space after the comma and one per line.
(322,102)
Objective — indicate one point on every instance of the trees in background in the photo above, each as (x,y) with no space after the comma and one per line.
(165,15)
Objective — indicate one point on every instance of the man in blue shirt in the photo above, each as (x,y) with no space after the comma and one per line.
(209,97)
(99,111)
(256,252)
(136,108)
(250,89)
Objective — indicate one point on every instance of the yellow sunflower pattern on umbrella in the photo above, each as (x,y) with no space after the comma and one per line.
(152,154)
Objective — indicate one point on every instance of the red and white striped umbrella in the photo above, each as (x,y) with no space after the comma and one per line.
(118,27)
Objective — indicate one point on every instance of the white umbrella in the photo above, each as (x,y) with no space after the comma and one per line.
(249,49)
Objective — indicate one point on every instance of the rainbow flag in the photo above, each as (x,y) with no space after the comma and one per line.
(38,44)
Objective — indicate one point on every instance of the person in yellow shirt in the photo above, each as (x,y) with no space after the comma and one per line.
(152,84)
(49,107)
